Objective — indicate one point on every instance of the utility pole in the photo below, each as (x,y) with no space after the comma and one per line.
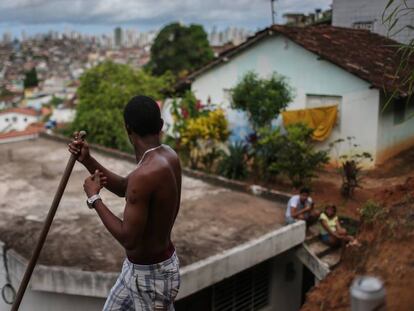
(272,7)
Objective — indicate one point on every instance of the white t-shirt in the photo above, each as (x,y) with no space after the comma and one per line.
(296,203)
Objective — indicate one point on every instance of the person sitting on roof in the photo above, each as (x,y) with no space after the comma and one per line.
(301,207)
(331,232)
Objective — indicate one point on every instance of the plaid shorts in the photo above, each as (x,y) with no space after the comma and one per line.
(145,287)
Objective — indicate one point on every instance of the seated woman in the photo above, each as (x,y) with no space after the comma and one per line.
(331,232)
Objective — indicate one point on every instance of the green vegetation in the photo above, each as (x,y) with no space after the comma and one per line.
(291,155)
(30,79)
(5,92)
(180,49)
(233,163)
(199,131)
(371,211)
(262,99)
(103,93)
(393,12)
(350,165)
(55,101)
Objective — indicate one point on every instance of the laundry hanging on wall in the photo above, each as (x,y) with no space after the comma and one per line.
(321,120)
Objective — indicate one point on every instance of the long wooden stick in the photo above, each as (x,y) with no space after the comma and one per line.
(45,230)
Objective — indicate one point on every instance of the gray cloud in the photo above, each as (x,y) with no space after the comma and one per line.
(147,12)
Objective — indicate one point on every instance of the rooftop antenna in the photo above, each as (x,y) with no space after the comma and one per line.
(272,7)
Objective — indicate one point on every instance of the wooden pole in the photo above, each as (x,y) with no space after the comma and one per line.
(46,227)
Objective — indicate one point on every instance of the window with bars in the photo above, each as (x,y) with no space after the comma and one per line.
(246,291)
(368,25)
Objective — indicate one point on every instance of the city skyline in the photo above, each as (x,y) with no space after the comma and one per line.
(101,17)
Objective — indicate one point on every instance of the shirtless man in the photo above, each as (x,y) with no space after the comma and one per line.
(150,276)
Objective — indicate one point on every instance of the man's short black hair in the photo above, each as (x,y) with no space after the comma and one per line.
(143,116)
(305,190)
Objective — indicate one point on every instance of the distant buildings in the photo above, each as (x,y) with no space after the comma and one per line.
(118,36)
(368,14)
(231,35)
(301,19)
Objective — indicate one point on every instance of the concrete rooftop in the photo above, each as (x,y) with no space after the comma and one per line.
(211,220)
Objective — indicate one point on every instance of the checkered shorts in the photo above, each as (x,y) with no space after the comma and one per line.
(145,287)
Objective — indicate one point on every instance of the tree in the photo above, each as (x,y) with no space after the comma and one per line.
(262,99)
(30,79)
(180,49)
(393,12)
(103,93)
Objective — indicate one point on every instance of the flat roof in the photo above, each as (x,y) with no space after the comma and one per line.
(212,219)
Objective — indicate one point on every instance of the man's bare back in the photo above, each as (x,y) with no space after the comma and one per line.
(159,175)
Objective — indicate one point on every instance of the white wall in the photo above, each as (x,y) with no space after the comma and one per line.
(348,12)
(15,121)
(307,74)
(63,115)
(394,138)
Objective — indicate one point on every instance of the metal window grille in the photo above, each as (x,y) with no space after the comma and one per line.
(246,291)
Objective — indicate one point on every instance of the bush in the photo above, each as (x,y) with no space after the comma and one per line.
(199,131)
(262,99)
(233,165)
(292,155)
(371,211)
(202,136)
(350,166)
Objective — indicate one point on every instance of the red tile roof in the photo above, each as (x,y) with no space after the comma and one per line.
(27,132)
(26,111)
(369,56)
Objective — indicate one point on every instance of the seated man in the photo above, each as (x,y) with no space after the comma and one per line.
(331,231)
(300,207)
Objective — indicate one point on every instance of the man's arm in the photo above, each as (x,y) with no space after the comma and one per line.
(114,183)
(130,230)
(295,213)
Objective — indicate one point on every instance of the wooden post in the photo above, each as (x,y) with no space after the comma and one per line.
(46,226)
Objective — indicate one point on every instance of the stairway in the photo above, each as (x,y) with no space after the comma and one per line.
(317,256)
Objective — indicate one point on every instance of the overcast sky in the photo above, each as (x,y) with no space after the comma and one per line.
(101,16)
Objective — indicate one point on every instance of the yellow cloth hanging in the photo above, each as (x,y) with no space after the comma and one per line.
(321,120)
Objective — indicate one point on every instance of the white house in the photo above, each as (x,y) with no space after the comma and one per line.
(367,14)
(353,69)
(17,119)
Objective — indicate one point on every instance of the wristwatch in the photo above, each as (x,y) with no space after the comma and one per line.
(91,201)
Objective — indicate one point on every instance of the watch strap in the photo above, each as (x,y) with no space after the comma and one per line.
(92,200)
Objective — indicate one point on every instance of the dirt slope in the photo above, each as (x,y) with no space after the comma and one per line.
(387,236)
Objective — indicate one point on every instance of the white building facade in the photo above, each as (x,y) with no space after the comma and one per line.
(316,83)
(368,14)
(16,119)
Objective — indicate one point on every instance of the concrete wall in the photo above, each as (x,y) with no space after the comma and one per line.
(73,289)
(394,138)
(286,286)
(348,12)
(308,75)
